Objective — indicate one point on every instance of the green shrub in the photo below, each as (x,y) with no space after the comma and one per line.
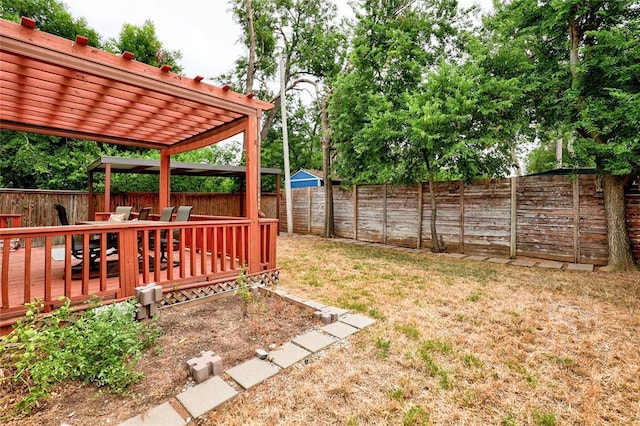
(101,346)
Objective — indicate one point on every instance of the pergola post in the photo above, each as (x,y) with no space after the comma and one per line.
(165,180)
(251,144)
(91,210)
(107,188)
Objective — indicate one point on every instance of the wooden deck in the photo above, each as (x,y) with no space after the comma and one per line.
(207,252)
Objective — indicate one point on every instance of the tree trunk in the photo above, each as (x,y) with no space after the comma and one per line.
(252,48)
(437,246)
(329,225)
(250,65)
(620,255)
(270,117)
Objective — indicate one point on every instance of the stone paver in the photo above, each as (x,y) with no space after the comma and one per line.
(525,263)
(335,310)
(339,329)
(313,341)
(550,264)
(499,260)
(581,267)
(456,255)
(206,396)
(287,355)
(477,258)
(252,372)
(163,414)
(357,320)
(314,305)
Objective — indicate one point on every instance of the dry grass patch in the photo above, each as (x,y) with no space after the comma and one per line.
(456,342)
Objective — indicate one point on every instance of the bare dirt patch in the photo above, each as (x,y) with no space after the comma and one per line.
(216,324)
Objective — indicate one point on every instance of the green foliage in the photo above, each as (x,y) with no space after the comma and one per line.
(397,393)
(416,416)
(394,45)
(409,330)
(100,346)
(425,353)
(264,22)
(596,94)
(304,139)
(453,119)
(545,419)
(306,35)
(144,44)
(435,370)
(243,291)
(578,63)
(45,162)
(471,360)
(383,346)
(543,158)
(51,16)
(509,419)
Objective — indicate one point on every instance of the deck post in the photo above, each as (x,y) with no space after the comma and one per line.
(165,179)
(251,146)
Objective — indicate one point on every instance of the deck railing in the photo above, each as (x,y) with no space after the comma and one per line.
(10,220)
(205,251)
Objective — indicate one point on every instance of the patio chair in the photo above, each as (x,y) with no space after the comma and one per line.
(76,241)
(165,216)
(183,213)
(123,210)
(143,214)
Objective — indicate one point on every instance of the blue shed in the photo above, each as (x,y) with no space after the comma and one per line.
(304,178)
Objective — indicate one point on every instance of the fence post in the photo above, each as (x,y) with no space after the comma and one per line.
(461,219)
(420,209)
(309,210)
(514,217)
(384,213)
(355,212)
(576,219)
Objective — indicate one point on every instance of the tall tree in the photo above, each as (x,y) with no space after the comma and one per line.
(379,108)
(145,45)
(583,75)
(453,134)
(304,32)
(306,35)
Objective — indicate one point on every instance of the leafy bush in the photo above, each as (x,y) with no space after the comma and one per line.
(101,346)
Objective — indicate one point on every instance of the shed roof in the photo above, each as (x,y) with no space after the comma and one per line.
(51,85)
(566,171)
(147,166)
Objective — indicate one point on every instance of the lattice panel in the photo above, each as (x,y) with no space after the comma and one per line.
(181,296)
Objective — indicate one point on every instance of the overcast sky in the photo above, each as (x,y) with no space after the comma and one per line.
(203,30)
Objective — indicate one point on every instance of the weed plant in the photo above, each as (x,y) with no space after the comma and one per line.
(100,346)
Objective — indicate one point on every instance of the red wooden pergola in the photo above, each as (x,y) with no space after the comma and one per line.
(51,85)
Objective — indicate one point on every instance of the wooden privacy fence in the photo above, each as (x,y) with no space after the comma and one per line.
(549,217)
(35,207)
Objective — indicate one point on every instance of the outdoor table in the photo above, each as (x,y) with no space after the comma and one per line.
(113,241)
